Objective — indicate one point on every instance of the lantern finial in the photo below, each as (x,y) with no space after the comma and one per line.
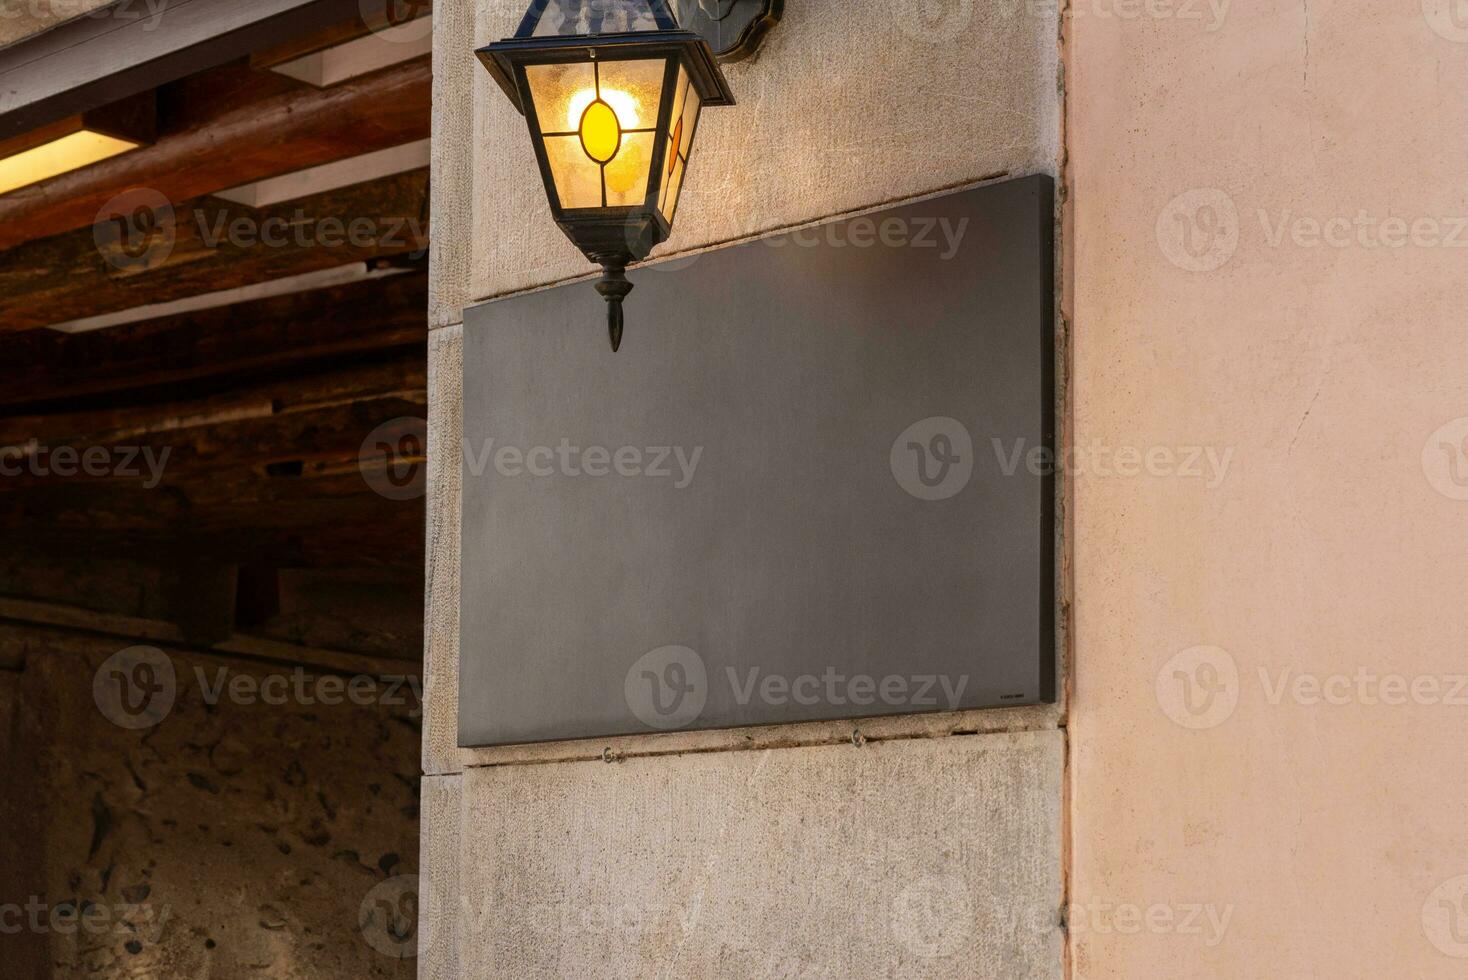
(614,287)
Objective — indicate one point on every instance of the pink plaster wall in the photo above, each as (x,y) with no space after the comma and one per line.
(1269,832)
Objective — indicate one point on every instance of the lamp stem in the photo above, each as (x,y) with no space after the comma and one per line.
(614,286)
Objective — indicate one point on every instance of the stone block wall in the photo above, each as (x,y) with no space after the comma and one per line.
(935,848)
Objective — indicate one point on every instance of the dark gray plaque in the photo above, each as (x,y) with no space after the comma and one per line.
(814,484)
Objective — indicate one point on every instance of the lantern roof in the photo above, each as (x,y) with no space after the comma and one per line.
(561,18)
(570,30)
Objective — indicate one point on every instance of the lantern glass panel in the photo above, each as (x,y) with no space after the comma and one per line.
(626,175)
(552,87)
(599,122)
(577,177)
(679,140)
(634,89)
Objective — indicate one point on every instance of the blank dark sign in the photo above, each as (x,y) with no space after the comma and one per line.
(812,485)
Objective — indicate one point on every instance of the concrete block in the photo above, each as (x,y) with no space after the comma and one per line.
(441,583)
(438,878)
(934,858)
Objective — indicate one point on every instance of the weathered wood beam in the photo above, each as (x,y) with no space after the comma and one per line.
(293,529)
(163,253)
(271,334)
(312,419)
(37,628)
(289,131)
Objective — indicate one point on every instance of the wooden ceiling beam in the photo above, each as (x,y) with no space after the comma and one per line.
(289,131)
(92,522)
(94,60)
(402,377)
(207,245)
(266,335)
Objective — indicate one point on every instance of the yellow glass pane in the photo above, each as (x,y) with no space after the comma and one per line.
(57,157)
(601,134)
(627,174)
(634,90)
(577,177)
(557,92)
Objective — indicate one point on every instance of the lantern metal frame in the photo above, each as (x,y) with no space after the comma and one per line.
(616,236)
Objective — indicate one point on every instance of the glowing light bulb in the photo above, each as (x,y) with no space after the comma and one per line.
(623,104)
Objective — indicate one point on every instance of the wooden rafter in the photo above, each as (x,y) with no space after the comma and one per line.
(206,245)
(290,130)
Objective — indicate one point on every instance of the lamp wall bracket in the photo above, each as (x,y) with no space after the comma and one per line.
(734,29)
